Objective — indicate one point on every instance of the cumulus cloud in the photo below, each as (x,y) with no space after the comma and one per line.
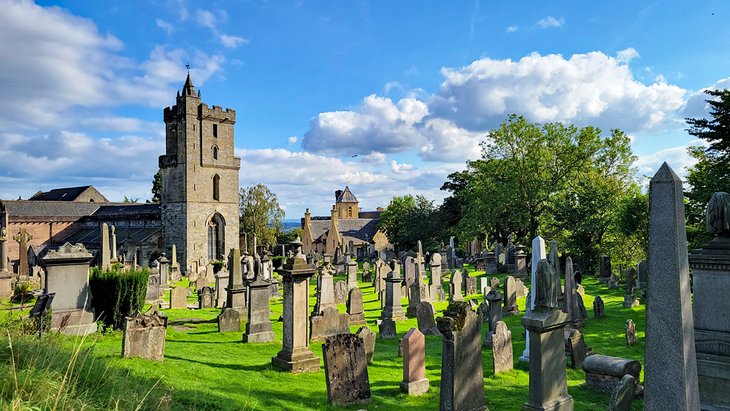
(292,139)
(377,124)
(512,29)
(375,157)
(550,22)
(400,168)
(591,88)
(676,157)
(448,143)
(697,101)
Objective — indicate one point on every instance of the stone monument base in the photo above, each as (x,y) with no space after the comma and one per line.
(713,372)
(260,337)
(559,404)
(357,319)
(73,322)
(6,285)
(419,387)
(299,362)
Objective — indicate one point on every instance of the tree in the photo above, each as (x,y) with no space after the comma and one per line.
(157,187)
(260,215)
(408,219)
(711,173)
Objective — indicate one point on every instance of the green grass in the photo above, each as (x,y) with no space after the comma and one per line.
(207,370)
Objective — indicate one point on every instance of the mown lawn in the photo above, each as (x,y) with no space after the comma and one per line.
(208,370)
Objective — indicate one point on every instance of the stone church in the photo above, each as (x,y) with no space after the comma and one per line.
(198,212)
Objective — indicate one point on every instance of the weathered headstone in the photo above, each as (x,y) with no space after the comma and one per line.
(340,292)
(392,309)
(368,339)
(670,376)
(490,262)
(351,269)
(425,318)
(462,377)
(576,349)
(502,357)
(631,337)
(455,286)
(603,373)
(229,320)
(330,322)
(538,254)
(236,296)
(355,308)
(494,298)
(144,336)
(295,355)
(346,370)
(494,283)
(178,298)
(205,297)
(23,238)
(67,275)
(413,348)
(642,271)
(471,284)
(572,299)
(201,282)
(545,324)
(386,328)
(258,326)
(599,309)
(221,283)
(325,291)
(520,270)
(630,299)
(510,296)
(623,395)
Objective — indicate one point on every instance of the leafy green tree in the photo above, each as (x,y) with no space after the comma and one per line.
(408,219)
(260,215)
(157,187)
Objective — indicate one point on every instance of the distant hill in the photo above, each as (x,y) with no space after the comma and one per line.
(290,224)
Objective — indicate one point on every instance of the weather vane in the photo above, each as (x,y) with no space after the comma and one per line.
(187,66)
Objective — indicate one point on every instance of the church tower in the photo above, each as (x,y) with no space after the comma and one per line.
(199,203)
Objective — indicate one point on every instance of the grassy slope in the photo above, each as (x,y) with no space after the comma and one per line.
(204,369)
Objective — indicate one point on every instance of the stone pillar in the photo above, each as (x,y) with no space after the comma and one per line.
(538,254)
(520,270)
(164,272)
(258,326)
(221,284)
(494,298)
(67,275)
(545,324)
(114,258)
(295,355)
(22,238)
(392,310)
(105,261)
(711,282)
(236,297)
(6,277)
(462,377)
(351,268)
(669,356)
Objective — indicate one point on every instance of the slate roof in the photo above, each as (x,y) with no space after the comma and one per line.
(62,194)
(48,209)
(356,228)
(346,196)
(128,210)
(91,235)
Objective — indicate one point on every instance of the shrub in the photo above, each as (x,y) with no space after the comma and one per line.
(116,293)
(278,261)
(23,292)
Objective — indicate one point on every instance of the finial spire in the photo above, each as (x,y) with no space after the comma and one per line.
(188,88)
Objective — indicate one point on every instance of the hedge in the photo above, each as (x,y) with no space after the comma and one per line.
(116,294)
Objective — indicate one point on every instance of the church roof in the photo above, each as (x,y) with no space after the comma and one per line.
(64,194)
(360,228)
(48,209)
(346,196)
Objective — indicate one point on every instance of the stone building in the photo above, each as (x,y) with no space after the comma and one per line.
(199,202)
(354,230)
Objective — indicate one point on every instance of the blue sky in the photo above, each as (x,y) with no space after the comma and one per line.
(386,97)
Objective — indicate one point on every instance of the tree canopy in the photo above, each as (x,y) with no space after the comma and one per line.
(260,215)
(408,219)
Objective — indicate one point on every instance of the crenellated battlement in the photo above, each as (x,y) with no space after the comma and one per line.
(217,113)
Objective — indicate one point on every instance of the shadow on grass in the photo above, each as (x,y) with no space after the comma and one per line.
(237,367)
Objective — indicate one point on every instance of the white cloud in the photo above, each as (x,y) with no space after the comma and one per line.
(550,22)
(392,85)
(626,55)
(378,124)
(167,27)
(697,101)
(400,168)
(448,143)
(676,157)
(292,139)
(206,19)
(375,157)
(512,29)
(232,42)
(590,88)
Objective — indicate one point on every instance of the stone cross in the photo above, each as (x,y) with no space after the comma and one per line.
(413,347)
(3,241)
(23,238)
(669,357)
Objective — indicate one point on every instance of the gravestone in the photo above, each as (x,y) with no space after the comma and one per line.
(642,271)
(538,254)
(325,291)
(483,283)
(153,286)
(340,292)
(455,286)
(351,268)
(599,309)
(576,349)
(623,395)
(392,309)
(630,299)
(67,275)
(221,283)
(573,301)
(494,283)
(355,308)
(178,298)
(330,322)
(144,336)
(368,339)
(386,328)
(425,318)
(6,277)
(510,296)
(502,356)
(462,378)
(346,370)
(413,348)
(471,284)
(670,375)
(295,355)
(490,262)
(710,284)
(201,282)
(604,373)
(205,297)
(545,324)
(605,266)
(258,326)
(229,320)
(236,291)
(520,270)
(631,337)
(494,299)
(410,270)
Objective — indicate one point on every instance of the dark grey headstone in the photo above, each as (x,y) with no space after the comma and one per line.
(355,307)
(386,328)
(229,320)
(623,394)
(576,349)
(368,339)
(599,309)
(425,318)
(502,357)
(346,370)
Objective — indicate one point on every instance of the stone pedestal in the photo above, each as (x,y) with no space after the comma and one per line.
(392,309)
(295,355)
(520,270)
(548,385)
(221,283)
(67,275)
(258,326)
(236,297)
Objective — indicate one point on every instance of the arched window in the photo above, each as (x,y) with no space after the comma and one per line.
(216,188)
(216,244)
(215,153)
